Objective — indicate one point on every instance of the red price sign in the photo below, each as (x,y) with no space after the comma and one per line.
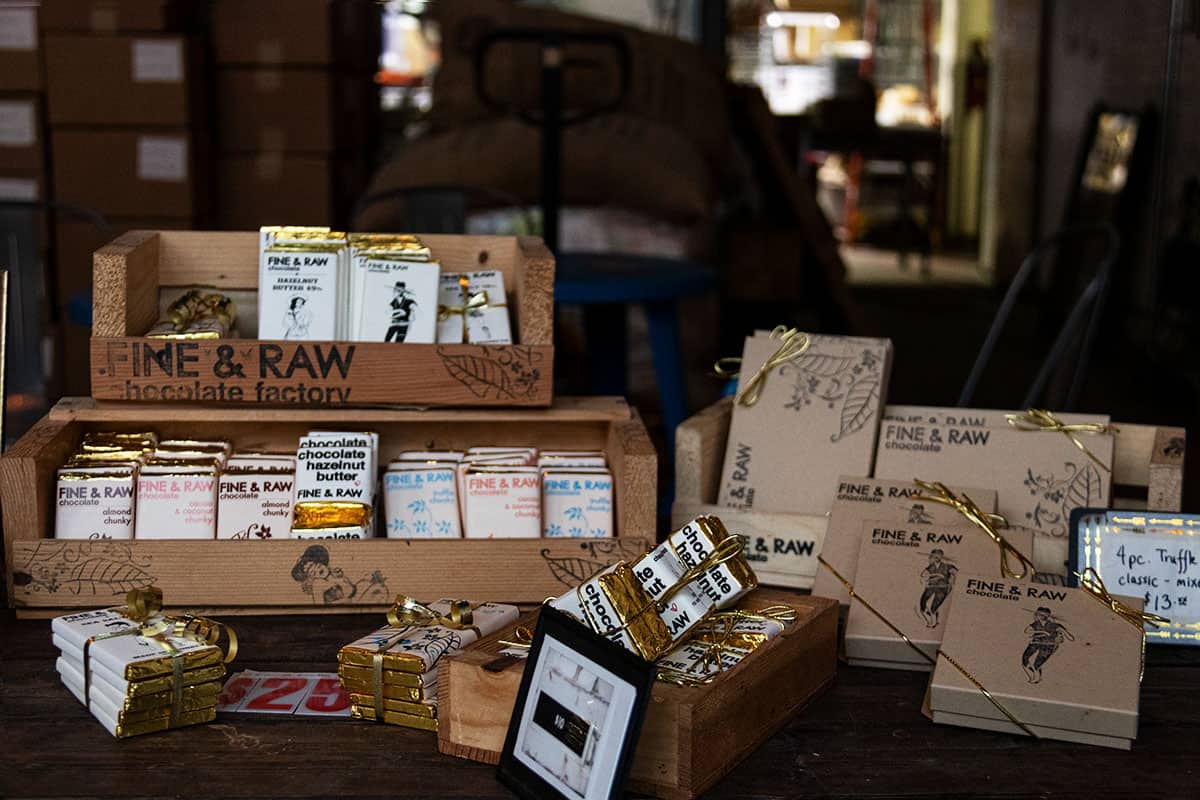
(307,693)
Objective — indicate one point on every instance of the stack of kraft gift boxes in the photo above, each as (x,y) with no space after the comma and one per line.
(296,104)
(128,114)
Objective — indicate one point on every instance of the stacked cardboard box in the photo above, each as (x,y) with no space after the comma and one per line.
(296,109)
(126,103)
(22,149)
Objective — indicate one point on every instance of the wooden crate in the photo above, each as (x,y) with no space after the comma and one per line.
(232,576)
(692,736)
(142,270)
(1147,473)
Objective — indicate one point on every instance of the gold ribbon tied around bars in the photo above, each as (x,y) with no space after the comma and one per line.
(925,656)
(144,606)
(724,625)
(1039,419)
(1089,580)
(476,301)
(937,492)
(792,344)
(407,613)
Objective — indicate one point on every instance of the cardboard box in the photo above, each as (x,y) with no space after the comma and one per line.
(906,572)
(297,32)
(128,173)
(693,735)
(21,145)
(118,16)
(1056,658)
(294,110)
(278,189)
(123,80)
(1039,476)
(862,499)
(972,417)
(20,55)
(817,417)
(46,574)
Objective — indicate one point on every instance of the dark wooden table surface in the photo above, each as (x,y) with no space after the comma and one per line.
(864,738)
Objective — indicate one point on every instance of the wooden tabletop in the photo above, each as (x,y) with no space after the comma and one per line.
(864,738)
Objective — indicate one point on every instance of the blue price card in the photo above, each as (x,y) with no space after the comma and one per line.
(1147,554)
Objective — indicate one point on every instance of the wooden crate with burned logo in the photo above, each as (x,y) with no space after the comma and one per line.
(139,273)
(1147,472)
(47,575)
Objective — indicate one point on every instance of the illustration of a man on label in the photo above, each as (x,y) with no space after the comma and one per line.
(403,306)
(938,579)
(1045,635)
(297,319)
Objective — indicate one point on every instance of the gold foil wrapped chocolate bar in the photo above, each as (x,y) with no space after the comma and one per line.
(196,315)
(139,671)
(391,674)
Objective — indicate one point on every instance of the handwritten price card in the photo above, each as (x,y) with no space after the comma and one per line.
(1148,555)
(305,693)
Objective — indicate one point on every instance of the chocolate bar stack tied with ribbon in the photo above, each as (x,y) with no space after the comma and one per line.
(806,411)
(140,671)
(197,315)
(472,308)
(651,605)
(720,642)
(1052,662)
(391,674)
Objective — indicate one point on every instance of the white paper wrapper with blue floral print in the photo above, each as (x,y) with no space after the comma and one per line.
(577,503)
(421,503)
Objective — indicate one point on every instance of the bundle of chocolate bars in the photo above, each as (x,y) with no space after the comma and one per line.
(653,604)
(720,642)
(391,674)
(318,284)
(140,675)
(197,315)
(136,486)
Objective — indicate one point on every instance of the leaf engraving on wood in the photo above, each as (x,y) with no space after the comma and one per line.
(100,568)
(593,556)
(502,372)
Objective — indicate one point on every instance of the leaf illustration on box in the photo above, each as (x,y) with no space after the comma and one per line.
(97,568)
(1081,486)
(573,570)
(854,381)
(503,372)
(861,402)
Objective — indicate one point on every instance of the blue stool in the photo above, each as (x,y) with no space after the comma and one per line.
(604,284)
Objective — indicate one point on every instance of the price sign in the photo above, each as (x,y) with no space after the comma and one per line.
(1153,556)
(304,693)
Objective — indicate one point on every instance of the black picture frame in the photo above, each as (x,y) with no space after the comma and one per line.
(601,669)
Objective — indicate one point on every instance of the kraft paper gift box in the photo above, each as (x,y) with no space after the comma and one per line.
(973,417)
(906,574)
(860,499)
(817,417)
(1056,658)
(1039,476)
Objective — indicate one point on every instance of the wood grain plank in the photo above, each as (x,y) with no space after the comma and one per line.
(125,285)
(700,453)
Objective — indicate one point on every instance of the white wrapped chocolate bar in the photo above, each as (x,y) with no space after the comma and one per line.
(254,497)
(418,648)
(134,657)
(577,502)
(420,501)
(502,502)
(335,485)
(723,584)
(614,604)
(176,502)
(95,502)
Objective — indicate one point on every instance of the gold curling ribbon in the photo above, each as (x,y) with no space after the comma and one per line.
(1039,419)
(522,639)
(925,656)
(724,625)
(475,302)
(1090,581)
(407,613)
(144,606)
(937,492)
(792,344)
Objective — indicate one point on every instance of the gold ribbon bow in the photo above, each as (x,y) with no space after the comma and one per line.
(407,613)
(792,344)
(937,492)
(1039,419)
(144,606)
(1090,581)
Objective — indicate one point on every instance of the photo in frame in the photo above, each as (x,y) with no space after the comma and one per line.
(578,714)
